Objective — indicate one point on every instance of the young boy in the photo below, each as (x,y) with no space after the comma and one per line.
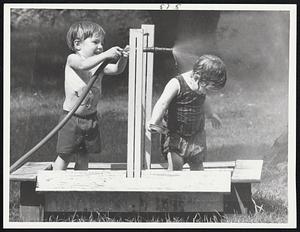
(184,107)
(80,135)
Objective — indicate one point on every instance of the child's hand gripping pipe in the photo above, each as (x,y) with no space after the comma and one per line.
(153,128)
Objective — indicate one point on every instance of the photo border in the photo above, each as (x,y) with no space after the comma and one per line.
(292,8)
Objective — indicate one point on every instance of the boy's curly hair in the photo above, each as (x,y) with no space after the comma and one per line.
(82,30)
(211,69)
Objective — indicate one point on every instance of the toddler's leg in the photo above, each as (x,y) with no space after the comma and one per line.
(61,163)
(196,166)
(196,163)
(175,161)
(81,161)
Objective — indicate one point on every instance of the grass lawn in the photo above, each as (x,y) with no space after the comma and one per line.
(251,123)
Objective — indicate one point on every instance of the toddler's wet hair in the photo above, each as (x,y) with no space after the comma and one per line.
(211,69)
(82,30)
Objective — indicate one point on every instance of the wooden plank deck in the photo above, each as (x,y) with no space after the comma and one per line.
(104,187)
(243,171)
(28,171)
(154,181)
(122,166)
(247,171)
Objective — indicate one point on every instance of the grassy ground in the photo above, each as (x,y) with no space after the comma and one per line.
(250,126)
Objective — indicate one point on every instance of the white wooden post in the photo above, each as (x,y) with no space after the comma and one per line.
(147,91)
(139,129)
(135,95)
(131,102)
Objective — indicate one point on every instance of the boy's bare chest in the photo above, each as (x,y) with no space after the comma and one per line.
(85,75)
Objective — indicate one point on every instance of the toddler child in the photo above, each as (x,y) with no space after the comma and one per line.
(81,135)
(183,107)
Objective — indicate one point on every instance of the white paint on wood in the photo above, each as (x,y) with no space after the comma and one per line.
(131,102)
(28,171)
(139,130)
(249,164)
(120,166)
(219,164)
(148,73)
(154,181)
(247,171)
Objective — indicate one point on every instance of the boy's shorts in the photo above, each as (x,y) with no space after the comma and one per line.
(79,134)
(190,149)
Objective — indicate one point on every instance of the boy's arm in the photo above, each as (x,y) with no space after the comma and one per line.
(170,91)
(215,120)
(117,68)
(79,63)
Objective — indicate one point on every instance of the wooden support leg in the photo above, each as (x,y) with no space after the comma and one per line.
(31,203)
(239,200)
(243,208)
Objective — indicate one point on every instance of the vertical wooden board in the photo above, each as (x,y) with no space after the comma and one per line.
(231,203)
(31,203)
(31,213)
(144,78)
(131,102)
(138,106)
(133,202)
(148,72)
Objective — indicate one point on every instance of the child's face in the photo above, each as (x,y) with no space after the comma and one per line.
(203,86)
(91,46)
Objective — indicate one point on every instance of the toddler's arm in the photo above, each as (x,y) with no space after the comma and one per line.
(117,68)
(215,120)
(163,102)
(79,63)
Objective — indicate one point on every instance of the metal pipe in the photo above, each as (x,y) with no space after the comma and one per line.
(26,156)
(157,49)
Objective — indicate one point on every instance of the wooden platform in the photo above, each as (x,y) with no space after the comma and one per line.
(28,172)
(221,187)
(247,171)
(151,181)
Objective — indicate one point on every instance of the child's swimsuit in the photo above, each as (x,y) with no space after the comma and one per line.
(185,121)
